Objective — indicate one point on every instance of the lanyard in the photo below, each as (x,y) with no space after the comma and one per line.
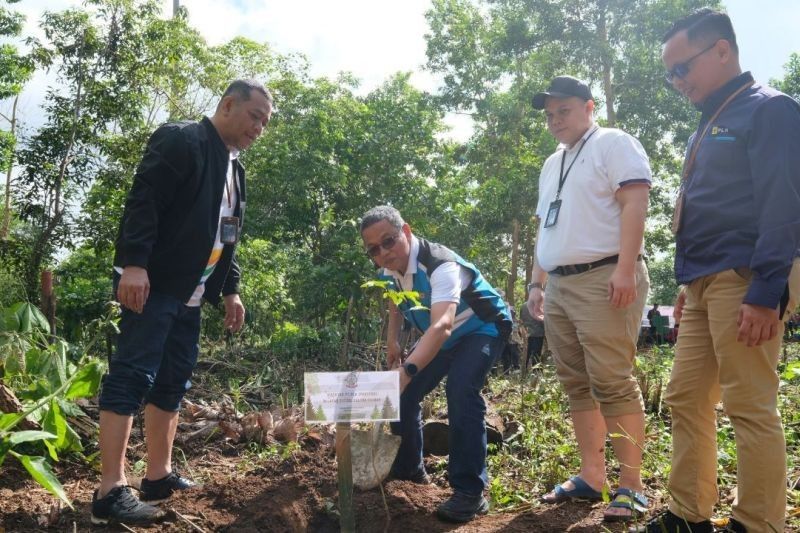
(228,183)
(677,214)
(687,168)
(563,176)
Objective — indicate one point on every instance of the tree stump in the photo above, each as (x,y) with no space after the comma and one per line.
(10,404)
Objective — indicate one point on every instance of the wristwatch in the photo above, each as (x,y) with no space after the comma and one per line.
(535,285)
(411,369)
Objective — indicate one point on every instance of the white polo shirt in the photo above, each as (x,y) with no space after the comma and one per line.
(588,226)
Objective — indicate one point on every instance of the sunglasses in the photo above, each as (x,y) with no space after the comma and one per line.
(387,244)
(681,70)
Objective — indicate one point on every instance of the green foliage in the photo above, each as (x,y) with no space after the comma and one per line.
(304,343)
(652,372)
(40,372)
(83,289)
(663,287)
(790,84)
(15,69)
(397,297)
(264,289)
(23,317)
(538,456)
(13,288)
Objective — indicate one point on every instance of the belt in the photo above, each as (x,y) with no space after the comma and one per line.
(569,270)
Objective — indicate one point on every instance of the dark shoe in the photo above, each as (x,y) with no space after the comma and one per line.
(667,522)
(158,491)
(420,477)
(462,507)
(121,506)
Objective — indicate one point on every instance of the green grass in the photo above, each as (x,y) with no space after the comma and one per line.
(545,453)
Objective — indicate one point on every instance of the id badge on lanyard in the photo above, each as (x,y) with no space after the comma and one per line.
(229,230)
(552,213)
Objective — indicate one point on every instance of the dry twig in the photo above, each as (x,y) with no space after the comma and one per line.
(194,526)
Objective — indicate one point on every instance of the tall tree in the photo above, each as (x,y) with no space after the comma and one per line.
(790,84)
(15,70)
(95,55)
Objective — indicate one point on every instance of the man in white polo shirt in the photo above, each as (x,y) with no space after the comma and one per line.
(590,282)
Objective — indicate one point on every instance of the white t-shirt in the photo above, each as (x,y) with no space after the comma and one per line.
(588,225)
(227,208)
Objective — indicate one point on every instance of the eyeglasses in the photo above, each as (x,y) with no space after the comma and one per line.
(387,244)
(681,70)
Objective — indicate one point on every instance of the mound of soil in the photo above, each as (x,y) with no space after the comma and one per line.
(297,494)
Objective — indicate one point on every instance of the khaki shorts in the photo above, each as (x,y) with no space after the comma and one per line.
(593,344)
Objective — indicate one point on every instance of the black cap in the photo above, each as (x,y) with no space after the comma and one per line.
(563,87)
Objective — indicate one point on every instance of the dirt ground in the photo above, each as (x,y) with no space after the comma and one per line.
(297,494)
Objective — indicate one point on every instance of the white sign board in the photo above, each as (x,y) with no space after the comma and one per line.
(352,396)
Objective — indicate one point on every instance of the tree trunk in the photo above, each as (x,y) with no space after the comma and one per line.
(531,248)
(606,59)
(48,303)
(7,211)
(346,340)
(512,276)
(10,404)
(529,254)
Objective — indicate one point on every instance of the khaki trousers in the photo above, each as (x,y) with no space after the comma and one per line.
(593,344)
(711,365)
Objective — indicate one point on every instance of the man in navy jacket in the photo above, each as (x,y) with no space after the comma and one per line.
(737,231)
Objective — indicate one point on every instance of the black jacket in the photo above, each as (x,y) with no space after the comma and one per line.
(172,211)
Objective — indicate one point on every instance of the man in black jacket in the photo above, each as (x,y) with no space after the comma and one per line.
(176,245)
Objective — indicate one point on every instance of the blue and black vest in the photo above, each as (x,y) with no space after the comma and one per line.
(487,313)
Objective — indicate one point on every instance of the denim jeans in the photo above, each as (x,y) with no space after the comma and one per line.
(156,354)
(466,366)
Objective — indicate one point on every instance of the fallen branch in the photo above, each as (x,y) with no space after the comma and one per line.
(194,526)
(205,432)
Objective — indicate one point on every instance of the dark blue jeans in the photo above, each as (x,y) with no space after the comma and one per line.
(466,366)
(156,354)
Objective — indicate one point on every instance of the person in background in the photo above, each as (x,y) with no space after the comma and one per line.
(535,331)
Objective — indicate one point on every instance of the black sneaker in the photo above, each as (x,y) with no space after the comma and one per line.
(420,477)
(667,522)
(160,490)
(121,506)
(462,507)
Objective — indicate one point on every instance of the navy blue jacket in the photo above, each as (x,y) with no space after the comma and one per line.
(742,198)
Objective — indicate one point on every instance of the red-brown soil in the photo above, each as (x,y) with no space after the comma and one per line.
(297,494)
